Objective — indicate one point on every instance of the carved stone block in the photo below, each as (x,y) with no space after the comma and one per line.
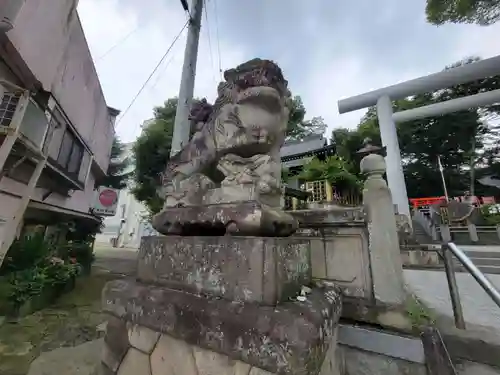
(262,269)
(249,218)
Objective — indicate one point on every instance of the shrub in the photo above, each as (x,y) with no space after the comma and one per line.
(78,252)
(31,282)
(491,214)
(26,253)
(334,169)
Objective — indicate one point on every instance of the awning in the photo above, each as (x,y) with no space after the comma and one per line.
(41,206)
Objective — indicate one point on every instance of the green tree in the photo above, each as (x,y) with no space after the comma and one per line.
(117,176)
(334,169)
(298,128)
(481,12)
(466,141)
(151,153)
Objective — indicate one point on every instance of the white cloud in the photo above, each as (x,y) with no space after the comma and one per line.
(346,59)
(335,79)
(124,70)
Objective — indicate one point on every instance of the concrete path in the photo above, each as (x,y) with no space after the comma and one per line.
(120,261)
(432,288)
(79,360)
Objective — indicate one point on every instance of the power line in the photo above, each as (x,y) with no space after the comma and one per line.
(121,41)
(209,41)
(151,75)
(218,40)
(162,71)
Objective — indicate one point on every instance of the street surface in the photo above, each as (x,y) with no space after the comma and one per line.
(432,288)
(121,261)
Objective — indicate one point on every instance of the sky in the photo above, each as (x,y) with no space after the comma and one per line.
(328,50)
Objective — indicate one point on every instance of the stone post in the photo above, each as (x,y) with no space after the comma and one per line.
(434,233)
(445,232)
(472,231)
(385,257)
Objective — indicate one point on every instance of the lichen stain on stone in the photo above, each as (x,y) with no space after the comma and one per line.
(207,279)
(216,336)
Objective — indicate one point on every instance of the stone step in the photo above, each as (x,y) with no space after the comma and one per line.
(483,254)
(483,269)
(488,262)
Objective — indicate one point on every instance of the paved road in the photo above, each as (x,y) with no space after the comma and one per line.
(432,288)
(116,260)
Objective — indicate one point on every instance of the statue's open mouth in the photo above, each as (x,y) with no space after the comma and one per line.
(265,97)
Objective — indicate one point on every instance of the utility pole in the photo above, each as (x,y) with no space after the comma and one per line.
(181,125)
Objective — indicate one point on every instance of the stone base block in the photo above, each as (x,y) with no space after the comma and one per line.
(249,218)
(262,269)
(160,331)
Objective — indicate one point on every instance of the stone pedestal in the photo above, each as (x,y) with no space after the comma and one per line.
(221,305)
(261,269)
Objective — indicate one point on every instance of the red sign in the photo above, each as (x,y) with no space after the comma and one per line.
(108,198)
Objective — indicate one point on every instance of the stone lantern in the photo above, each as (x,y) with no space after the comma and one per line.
(369,148)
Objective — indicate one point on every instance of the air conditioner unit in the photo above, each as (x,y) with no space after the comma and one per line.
(9,9)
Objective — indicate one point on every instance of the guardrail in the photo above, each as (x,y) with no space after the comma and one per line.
(448,250)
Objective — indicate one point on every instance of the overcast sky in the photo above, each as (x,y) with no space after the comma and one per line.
(327,49)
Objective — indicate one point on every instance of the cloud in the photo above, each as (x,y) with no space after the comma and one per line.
(123,70)
(328,50)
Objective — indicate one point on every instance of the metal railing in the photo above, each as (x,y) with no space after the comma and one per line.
(447,251)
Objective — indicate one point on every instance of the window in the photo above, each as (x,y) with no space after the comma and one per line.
(8,107)
(65,150)
(75,160)
(70,153)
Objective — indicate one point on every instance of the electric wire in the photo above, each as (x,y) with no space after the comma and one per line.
(209,41)
(151,75)
(218,40)
(164,69)
(118,43)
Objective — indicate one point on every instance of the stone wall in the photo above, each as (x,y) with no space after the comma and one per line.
(132,350)
(339,248)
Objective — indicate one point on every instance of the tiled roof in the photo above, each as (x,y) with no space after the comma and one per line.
(310,143)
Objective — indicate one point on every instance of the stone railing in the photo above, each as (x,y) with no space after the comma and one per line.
(469,235)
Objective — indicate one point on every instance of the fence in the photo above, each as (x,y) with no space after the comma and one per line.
(322,192)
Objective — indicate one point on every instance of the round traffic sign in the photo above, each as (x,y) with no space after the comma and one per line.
(107,197)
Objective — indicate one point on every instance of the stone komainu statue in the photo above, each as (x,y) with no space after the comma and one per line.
(235,143)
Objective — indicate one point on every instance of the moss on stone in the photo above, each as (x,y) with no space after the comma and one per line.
(418,313)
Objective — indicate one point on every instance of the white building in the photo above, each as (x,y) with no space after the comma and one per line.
(51,107)
(129,224)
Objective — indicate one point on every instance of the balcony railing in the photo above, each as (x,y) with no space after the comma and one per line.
(44,134)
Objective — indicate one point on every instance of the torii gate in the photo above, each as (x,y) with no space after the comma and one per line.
(383,98)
